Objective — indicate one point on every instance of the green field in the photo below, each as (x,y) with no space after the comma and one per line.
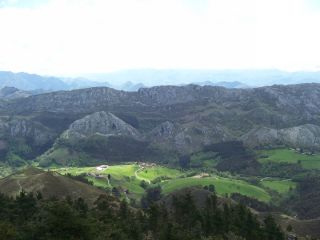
(290,156)
(158,171)
(280,186)
(122,176)
(222,186)
(129,177)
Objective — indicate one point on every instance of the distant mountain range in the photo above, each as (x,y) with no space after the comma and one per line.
(234,84)
(132,80)
(253,78)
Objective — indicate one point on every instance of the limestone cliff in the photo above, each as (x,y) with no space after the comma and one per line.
(101,123)
(304,136)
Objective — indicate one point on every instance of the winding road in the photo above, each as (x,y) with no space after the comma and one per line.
(141,178)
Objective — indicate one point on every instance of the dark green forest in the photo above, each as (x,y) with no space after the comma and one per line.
(29,216)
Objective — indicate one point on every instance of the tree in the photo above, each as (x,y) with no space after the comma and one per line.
(184,161)
(7,231)
(272,230)
(153,194)
(116,192)
(212,188)
(143,184)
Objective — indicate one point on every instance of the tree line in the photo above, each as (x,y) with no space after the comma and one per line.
(29,216)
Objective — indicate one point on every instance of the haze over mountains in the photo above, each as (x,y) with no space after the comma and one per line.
(132,80)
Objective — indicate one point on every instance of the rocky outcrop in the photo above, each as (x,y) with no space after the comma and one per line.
(101,123)
(192,115)
(165,130)
(188,137)
(28,129)
(13,93)
(77,101)
(304,136)
(290,105)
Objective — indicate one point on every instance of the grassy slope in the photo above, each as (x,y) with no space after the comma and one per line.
(124,176)
(5,170)
(49,184)
(280,186)
(290,156)
(154,172)
(121,176)
(222,186)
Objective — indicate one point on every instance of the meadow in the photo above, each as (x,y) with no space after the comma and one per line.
(280,186)
(223,186)
(129,177)
(290,156)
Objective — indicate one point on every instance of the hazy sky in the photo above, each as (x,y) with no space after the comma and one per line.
(65,37)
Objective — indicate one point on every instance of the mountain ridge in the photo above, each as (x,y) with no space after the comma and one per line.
(180,119)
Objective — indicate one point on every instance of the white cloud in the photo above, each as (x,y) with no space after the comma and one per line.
(66,37)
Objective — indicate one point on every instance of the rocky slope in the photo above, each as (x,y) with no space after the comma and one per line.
(294,102)
(13,93)
(24,128)
(181,119)
(304,136)
(100,123)
(187,138)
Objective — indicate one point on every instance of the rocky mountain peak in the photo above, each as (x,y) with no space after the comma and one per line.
(102,123)
(13,93)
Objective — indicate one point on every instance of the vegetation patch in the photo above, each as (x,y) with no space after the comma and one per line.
(223,186)
(306,160)
(280,186)
(159,171)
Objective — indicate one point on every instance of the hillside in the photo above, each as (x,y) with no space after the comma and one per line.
(162,121)
(49,184)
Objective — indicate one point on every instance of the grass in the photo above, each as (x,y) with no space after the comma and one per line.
(205,159)
(121,170)
(290,156)
(61,156)
(157,171)
(124,177)
(75,170)
(222,185)
(5,170)
(280,186)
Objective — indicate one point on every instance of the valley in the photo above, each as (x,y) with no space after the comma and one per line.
(249,146)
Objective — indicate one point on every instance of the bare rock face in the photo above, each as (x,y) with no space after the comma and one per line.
(27,129)
(23,128)
(187,137)
(305,136)
(165,130)
(101,123)
(260,137)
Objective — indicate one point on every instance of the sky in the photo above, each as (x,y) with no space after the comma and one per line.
(74,37)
